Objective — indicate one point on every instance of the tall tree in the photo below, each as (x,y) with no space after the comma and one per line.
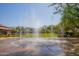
(70,15)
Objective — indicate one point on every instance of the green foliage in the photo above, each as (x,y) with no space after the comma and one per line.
(70,17)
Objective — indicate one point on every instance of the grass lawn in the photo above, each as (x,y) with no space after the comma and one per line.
(40,35)
(29,35)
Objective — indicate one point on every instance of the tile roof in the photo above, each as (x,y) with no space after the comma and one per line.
(4,27)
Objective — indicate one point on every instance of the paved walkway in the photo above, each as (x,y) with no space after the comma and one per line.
(31,47)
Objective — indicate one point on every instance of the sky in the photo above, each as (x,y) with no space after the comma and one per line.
(27,15)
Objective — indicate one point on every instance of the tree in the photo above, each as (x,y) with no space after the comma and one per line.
(70,16)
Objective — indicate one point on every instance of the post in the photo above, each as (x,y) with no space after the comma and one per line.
(8,33)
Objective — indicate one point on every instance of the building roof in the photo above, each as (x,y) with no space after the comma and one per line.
(4,28)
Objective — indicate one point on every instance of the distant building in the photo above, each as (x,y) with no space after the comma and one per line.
(5,30)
